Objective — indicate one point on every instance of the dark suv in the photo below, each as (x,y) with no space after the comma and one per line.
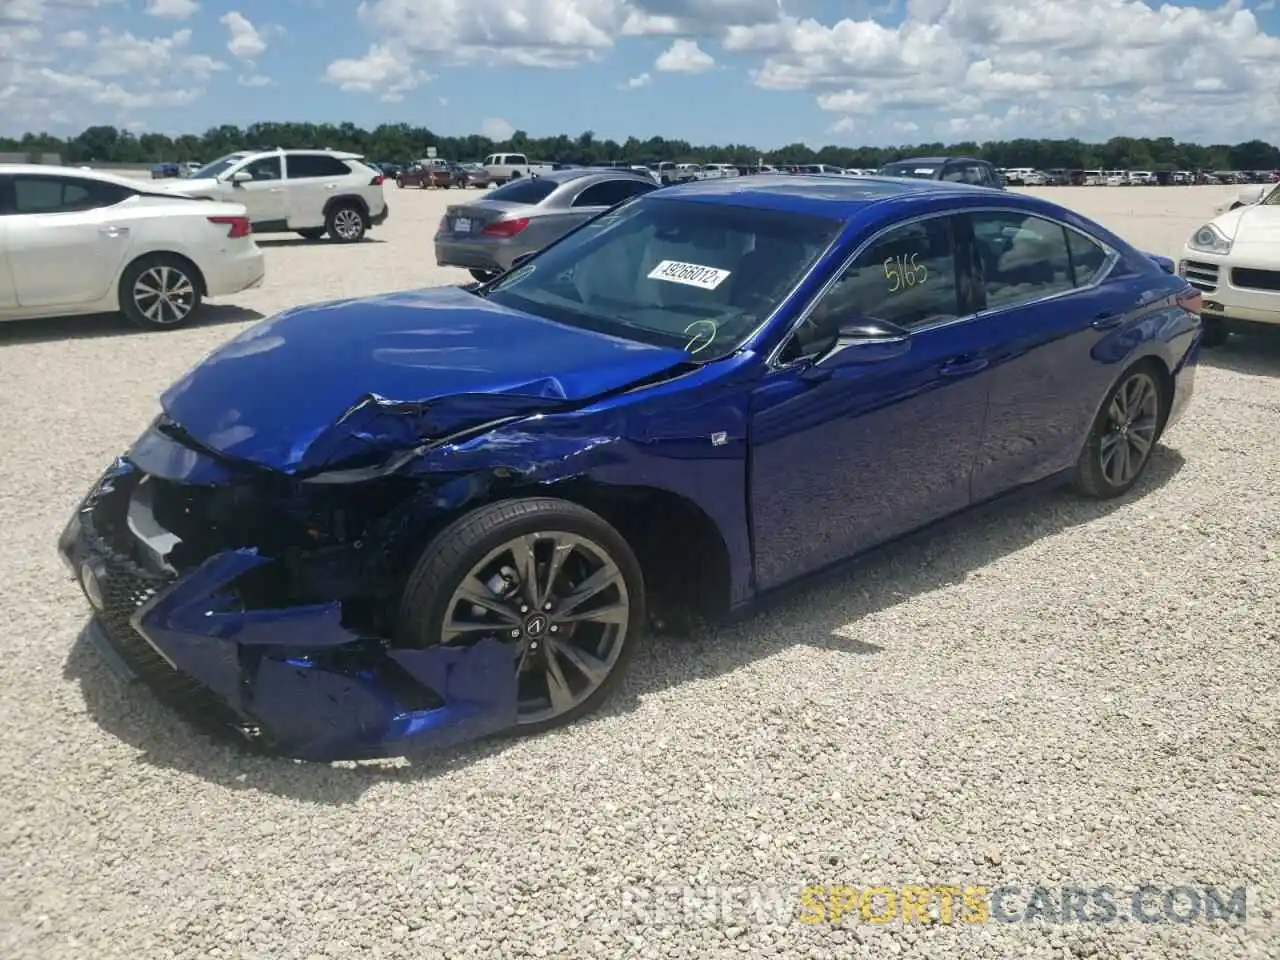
(956,169)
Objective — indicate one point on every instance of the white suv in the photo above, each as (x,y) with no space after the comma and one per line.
(308,192)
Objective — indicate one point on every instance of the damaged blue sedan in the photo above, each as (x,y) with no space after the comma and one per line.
(374,525)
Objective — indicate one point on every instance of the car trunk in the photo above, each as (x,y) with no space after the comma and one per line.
(468,219)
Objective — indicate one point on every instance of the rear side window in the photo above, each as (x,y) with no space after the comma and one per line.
(303,165)
(610,192)
(45,194)
(528,190)
(1087,257)
(1021,258)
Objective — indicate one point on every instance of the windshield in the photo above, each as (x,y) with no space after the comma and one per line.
(219,166)
(916,171)
(697,276)
(1272,199)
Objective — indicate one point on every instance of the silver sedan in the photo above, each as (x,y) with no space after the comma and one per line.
(523,216)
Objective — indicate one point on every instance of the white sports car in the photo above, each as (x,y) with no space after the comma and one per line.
(76,241)
(1234,260)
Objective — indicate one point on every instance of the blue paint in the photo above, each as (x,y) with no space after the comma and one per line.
(467,400)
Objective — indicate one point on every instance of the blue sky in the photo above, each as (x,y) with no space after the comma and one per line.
(765,72)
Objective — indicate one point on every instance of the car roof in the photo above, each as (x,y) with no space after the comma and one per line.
(52,170)
(933,160)
(560,177)
(822,195)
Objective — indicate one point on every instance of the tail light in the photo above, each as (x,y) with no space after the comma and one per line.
(237,227)
(377,181)
(505,228)
(444,225)
(1191,301)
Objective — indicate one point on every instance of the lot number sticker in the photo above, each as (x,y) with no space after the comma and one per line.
(690,274)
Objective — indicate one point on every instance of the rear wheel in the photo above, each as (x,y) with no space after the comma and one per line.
(160,291)
(311,233)
(345,223)
(1123,437)
(484,276)
(549,578)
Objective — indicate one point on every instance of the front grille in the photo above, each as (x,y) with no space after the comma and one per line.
(125,588)
(1256,279)
(1202,276)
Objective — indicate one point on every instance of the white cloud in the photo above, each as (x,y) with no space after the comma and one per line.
(246,40)
(382,70)
(77,77)
(684,56)
(255,80)
(495,128)
(635,83)
(173,9)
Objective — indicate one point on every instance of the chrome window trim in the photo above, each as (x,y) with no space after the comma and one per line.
(1108,263)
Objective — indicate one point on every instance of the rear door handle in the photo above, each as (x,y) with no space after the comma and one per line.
(114,231)
(1107,319)
(961,366)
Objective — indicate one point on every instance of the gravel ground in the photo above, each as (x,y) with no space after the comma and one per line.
(1051,692)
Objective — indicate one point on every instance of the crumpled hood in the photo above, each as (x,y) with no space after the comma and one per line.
(321,385)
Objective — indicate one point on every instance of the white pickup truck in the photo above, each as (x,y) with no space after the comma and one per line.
(502,167)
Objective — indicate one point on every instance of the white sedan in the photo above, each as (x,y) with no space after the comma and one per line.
(76,241)
(1234,260)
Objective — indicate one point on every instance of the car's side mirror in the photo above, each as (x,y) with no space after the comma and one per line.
(241,176)
(862,340)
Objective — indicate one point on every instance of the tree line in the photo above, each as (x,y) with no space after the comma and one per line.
(402,143)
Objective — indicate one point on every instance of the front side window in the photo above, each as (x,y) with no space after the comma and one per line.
(264,168)
(701,277)
(907,277)
(1021,258)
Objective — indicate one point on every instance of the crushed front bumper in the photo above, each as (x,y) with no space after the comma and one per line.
(292,681)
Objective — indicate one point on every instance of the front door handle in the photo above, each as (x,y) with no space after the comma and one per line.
(1107,319)
(962,366)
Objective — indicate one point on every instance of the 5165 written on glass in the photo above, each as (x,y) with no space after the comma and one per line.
(904,272)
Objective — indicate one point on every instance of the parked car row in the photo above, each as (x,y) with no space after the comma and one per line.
(1031,177)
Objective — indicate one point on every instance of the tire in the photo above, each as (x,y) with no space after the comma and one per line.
(484,276)
(400,182)
(515,174)
(465,549)
(345,223)
(1129,426)
(1213,332)
(311,233)
(141,291)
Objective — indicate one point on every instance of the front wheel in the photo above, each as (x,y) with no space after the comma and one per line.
(160,291)
(549,578)
(484,276)
(1123,437)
